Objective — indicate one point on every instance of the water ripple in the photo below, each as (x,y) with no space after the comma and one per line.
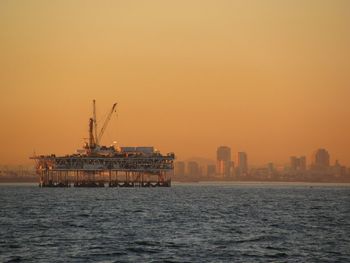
(184,223)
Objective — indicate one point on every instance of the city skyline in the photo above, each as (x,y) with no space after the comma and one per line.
(298,158)
(232,167)
(319,157)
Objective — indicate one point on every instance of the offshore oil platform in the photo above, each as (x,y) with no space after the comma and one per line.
(96,165)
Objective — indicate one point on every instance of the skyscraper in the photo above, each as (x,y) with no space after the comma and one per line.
(242,163)
(298,163)
(223,161)
(321,159)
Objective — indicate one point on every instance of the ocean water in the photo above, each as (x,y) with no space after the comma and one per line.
(239,222)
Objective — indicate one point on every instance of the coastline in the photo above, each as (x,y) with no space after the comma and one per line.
(34,181)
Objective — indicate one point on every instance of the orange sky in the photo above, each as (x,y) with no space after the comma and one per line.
(271,78)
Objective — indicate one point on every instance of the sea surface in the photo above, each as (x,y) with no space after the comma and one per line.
(216,222)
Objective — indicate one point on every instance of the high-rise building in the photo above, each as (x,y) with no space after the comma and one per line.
(321,159)
(193,169)
(242,163)
(223,161)
(179,169)
(298,163)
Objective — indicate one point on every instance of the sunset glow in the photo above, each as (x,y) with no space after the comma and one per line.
(270,78)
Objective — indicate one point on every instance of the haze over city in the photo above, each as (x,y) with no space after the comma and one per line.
(270,78)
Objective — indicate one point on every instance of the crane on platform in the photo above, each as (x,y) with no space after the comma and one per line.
(94,137)
(105,124)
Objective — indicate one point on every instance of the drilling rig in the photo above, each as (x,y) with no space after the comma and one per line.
(96,165)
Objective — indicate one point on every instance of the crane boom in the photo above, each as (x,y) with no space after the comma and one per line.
(105,124)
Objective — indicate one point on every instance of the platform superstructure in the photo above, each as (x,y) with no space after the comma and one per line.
(97,166)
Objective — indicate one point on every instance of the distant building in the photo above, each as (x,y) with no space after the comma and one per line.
(179,169)
(321,159)
(338,170)
(193,169)
(242,163)
(211,169)
(223,161)
(298,163)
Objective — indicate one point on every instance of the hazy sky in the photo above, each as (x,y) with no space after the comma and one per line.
(271,78)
